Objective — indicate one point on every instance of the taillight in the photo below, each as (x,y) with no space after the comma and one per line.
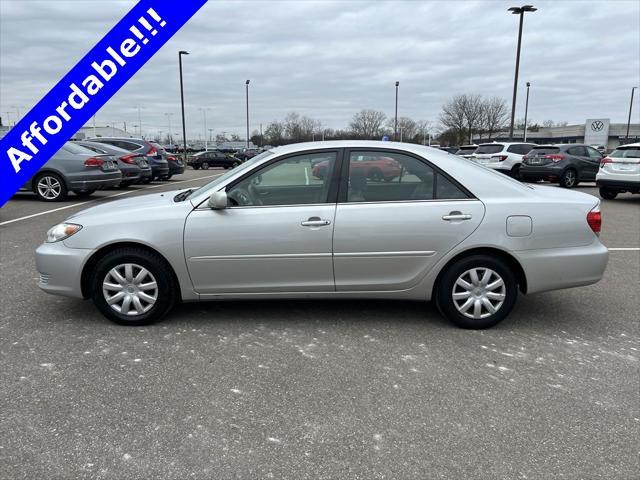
(93,162)
(130,159)
(605,160)
(525,158)
(171,158)
(499,158)
(153,151)
(555,157)
(594,219)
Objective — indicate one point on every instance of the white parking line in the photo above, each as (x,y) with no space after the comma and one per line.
(625,249)
(103,198)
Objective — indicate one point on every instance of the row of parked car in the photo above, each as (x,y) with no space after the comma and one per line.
(566,164)
(82,167)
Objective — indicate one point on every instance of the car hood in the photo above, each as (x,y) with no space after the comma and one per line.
(131,208)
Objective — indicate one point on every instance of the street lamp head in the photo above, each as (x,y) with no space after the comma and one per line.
(520,10)
(247,82)
(528,84)
(183,52)
(397,83)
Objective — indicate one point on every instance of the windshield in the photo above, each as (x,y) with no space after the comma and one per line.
(466,150)
(628,152)
(490,148)
(543,151)
(217,181)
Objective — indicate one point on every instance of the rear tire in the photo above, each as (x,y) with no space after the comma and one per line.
(50,187)
(152,303)
(569,178)
(608,194)
(515,172)
(196,167)
(471,300)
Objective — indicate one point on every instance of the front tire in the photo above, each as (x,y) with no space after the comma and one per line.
(515,172)
(608,194)
(569,178)
(477,292)
(205,165)
(132,286)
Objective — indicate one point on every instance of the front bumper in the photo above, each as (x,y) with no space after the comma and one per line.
(60,268)
(557,268)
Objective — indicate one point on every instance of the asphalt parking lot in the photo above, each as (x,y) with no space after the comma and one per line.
(317,389)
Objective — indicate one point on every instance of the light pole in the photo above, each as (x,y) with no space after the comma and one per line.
(139,121)
(630,107)
(184,127)
(204,115)
(246,84)
(526,111)
(210,134)
(395,124)
(169,119)
(517,11)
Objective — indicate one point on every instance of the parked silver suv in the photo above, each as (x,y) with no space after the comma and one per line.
(73,168)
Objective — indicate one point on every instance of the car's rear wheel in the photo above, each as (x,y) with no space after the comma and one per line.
(84,193)
(569,178)
(196,167)
(477,292)
(608,194)
(235,164)
(205,165)
(50,187)
(132,286)
(515,172)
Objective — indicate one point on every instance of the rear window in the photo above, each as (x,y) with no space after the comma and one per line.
(629,152)
(543,150)
(491,148)
(76,149)
(466,150)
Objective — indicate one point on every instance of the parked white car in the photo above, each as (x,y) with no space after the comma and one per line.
(620,172)
(443,228)
(502,156)
(467,151)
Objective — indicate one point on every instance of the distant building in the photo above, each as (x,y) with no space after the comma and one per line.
(592,132)
(89,132)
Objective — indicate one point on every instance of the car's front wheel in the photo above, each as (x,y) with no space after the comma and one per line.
(133,286)
(205,165)
(477,292)
(608,194)
(569,178)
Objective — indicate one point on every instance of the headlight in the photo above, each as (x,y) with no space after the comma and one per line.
(62,231)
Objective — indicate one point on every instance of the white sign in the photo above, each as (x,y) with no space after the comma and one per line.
(596,131)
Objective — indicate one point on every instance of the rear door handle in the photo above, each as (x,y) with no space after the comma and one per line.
(315,222)
(456,216)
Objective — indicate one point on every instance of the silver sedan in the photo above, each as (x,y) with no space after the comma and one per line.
(352,219)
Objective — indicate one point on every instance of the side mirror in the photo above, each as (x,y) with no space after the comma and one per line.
(218,201)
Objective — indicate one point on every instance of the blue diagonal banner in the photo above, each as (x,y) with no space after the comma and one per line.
(87,87)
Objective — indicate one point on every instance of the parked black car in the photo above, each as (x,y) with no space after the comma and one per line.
(212,158)
(163,166)
(134,166)
(247,153)
(567,164)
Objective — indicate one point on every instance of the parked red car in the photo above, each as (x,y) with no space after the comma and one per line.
(374,168)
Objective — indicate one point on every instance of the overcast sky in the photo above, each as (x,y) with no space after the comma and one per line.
(329,59)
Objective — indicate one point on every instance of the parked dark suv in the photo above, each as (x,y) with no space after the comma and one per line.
(567,164)
(163,166)
(212,158)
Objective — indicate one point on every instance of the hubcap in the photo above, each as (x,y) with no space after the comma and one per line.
(570,177)
(49,187)
(130,289)
(479,293)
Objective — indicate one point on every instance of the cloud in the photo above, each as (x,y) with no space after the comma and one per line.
(329,59)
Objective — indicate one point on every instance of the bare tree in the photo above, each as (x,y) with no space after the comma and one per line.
(548,123)
(453,117)
(367,124)
(407,128)
(495,115)
(472,106)
(274,133)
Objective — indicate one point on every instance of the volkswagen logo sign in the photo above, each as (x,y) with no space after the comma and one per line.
(597,125)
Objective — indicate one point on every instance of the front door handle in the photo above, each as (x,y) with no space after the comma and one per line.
(456,216)
(315,222)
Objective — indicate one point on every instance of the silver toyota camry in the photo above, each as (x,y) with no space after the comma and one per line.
(348,219)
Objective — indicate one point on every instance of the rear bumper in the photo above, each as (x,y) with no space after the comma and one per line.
(175,169)
(550,172)
(160,170)
(94,181)
(626,185)
(557,268)
(60,268)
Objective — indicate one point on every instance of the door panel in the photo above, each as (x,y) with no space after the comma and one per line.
(390,246)
(260,249)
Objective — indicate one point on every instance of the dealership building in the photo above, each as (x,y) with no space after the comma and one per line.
(598,131)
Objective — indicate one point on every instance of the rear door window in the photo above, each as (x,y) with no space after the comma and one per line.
(578,151)
(488,149)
